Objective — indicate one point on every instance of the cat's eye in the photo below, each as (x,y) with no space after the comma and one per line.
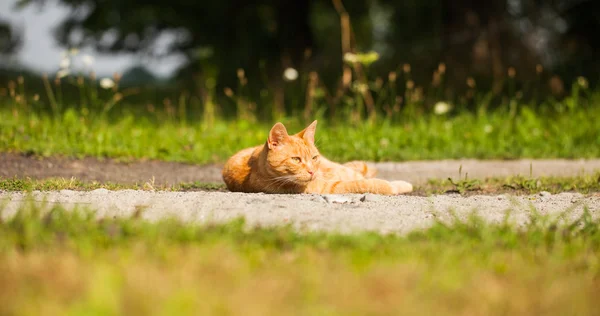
(315,157)
(296,159)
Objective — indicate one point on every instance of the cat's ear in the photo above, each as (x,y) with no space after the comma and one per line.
(308,133)
(277,136)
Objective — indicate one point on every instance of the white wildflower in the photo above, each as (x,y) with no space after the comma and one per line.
(62,73)
(441,108)
(87,60)
(106,83)
(350,58)
(65,63)
(582,82)
(488,128)
(384,142)
(290,74)
(360,87)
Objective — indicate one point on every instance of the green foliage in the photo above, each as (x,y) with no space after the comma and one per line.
(72,262)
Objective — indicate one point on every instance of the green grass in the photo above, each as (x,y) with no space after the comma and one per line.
(73,116)
(585,184)
(55,184)
(71,263)
(573,135)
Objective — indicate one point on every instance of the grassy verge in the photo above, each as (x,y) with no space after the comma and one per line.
(55,184)
(514,185)
(375,119)
(70,263)
(135,136)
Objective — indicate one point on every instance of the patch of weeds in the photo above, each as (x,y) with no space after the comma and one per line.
(582,184)
(57,184)
(201,186)
(529,184)
(433,186)
(15,184)
(463,185)
(513,185)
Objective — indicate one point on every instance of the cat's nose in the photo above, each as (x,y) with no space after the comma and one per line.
(311,172)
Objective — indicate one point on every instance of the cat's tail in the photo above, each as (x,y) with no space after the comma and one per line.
(368,171)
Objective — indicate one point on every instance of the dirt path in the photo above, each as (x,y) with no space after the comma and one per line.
(342,213)
(108,170)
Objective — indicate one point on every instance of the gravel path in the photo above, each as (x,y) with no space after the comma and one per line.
(399,214)
(342,213)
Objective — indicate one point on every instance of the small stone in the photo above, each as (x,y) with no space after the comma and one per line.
(369,197)
(545,193)
(319,198)
(334,198)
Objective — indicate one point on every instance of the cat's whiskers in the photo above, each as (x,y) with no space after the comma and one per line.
(281,181)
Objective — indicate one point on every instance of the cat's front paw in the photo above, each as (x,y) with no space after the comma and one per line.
(401,187)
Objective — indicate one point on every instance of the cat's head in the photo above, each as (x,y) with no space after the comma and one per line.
(293,157)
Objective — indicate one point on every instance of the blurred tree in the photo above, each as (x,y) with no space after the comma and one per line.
(137,75)
(578,26)
(10,39)
(484,38)
(263,37)
(232,34)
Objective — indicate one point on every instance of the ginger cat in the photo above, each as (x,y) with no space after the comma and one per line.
(292,164)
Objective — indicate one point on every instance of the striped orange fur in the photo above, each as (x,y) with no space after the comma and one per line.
(292,164)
